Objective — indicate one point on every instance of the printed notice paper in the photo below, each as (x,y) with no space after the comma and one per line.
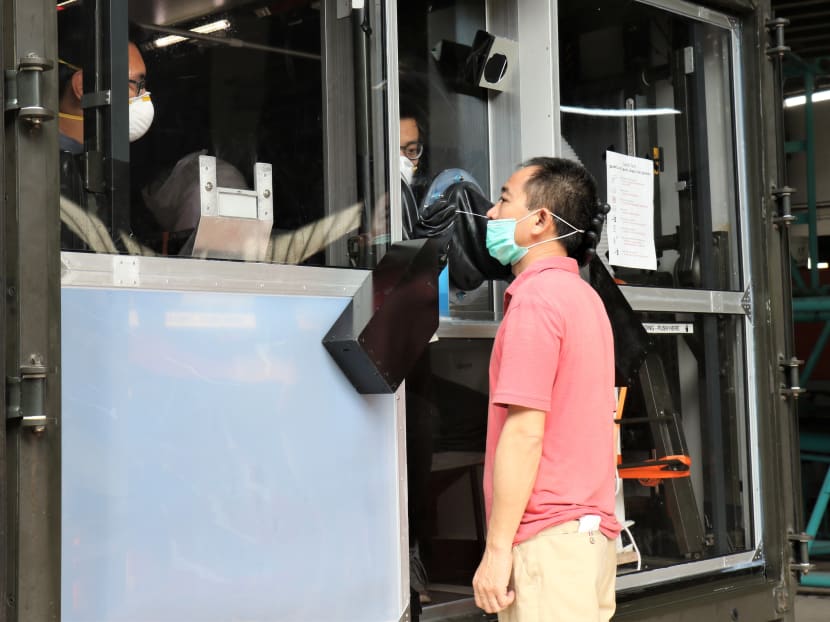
(631,219)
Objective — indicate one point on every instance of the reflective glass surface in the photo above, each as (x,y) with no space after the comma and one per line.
(621,59)
(259,135)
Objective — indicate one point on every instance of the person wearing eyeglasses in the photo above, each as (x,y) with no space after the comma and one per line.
(70,115)
(412,148)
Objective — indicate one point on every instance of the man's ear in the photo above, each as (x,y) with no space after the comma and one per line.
(544,219)
(77,81)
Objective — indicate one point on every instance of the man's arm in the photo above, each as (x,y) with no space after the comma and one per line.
(518,453)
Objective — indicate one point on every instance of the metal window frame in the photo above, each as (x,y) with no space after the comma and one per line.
(509,144)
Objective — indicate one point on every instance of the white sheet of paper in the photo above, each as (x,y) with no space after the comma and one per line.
(631,219)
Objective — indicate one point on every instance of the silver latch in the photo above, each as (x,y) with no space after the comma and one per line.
(25,396)
(24,90)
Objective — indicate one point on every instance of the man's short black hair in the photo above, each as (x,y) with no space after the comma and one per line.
(568,190)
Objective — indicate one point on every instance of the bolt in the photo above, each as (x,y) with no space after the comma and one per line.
(266,194)
(38,430)
(209,186)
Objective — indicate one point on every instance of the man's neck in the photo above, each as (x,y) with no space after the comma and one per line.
(549,249)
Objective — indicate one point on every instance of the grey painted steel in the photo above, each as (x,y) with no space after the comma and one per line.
(777,458)
(206,474)
(393,121)
(164,273)
(683,300)
(727,563)
(748,253)
(504,110)
(539,91)
(5,354)
(337,75)
(31,542)
(693,11)
(738,598)
(449,328)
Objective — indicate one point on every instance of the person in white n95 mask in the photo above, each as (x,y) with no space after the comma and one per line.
(70,115)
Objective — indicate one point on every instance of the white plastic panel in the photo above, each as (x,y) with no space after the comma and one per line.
(217,465)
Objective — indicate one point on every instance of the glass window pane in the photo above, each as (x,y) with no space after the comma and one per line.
(677,73)
(683,437)
(236,148)
(444,132)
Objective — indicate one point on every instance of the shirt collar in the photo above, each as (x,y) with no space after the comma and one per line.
(540,265)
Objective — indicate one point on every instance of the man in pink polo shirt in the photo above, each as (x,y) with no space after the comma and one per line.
(549,464)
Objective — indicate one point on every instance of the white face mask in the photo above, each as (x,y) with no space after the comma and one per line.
(407,169)
(141,115)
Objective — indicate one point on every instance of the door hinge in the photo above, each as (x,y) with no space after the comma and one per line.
(776,27)
(784,213)
(26,397)
(791,387)
(24,90)
(801,545)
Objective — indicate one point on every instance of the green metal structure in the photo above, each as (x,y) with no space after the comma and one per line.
(810,300)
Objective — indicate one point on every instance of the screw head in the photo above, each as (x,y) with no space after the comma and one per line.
(209,186)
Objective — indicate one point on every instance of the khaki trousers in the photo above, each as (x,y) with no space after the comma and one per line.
(561,575)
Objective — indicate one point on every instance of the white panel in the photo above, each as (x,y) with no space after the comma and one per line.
(217,465)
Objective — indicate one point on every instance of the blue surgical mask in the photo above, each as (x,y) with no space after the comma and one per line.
(501,239)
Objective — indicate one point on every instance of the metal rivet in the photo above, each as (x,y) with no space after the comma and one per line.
(209,186)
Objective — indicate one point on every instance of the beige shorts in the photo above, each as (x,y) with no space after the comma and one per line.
(561,575)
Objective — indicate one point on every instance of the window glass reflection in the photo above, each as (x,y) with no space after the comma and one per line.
(444,138)
(682,437)
(629,56)
(233,152)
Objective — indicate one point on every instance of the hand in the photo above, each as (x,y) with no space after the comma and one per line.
(490,583)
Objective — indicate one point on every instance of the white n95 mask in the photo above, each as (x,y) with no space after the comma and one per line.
(141,115)
(407,169)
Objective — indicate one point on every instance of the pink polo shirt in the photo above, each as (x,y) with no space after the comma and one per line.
(554,352)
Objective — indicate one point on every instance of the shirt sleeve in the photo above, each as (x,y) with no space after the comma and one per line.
(531,340)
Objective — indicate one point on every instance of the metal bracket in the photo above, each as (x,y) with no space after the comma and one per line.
(99,99)
(782,199)
(777,25)
(26,396)
(746,302)
(790,368)
(24,90)
(801,542)
(759,552)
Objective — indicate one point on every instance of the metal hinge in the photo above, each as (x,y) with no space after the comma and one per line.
(801,543)
(791,388)
(26,396)
(777,26)
(24,90)
(784,215)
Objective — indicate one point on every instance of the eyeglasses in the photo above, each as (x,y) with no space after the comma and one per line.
(137,87)
(413,150)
